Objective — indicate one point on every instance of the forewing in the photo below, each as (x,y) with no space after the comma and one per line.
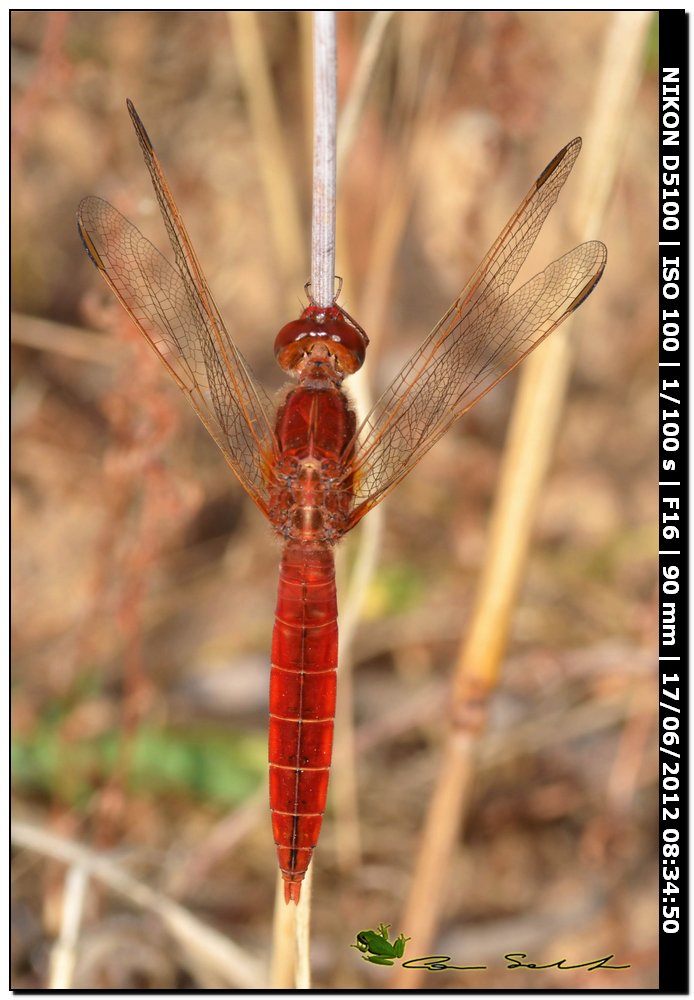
(174,310)
(482,338)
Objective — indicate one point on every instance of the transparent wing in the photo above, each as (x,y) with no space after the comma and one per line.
(482,337)
(174,310)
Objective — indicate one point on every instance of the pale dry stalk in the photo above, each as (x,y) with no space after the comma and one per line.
(290,967)
(324,158)
(283,956)
(217,953)
(64,952)
(67,341)
(351,114)
(303,931)
(275,163)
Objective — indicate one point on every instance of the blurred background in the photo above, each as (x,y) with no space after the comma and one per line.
(144,580)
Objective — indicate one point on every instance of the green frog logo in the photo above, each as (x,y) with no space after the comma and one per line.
(375,946)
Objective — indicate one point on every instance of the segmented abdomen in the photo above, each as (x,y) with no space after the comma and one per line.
(302,704)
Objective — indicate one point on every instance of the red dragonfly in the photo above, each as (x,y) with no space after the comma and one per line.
(312,472)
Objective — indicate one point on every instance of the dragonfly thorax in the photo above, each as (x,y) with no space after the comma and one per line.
(311,491)
(315,502)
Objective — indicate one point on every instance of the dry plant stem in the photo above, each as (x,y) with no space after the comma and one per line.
(601,152)
(219,954)
(303,926)
(532,432)
(398,186)
(64,953)
(363,75)
(324,133)
(290,966)
(283,959)
(345,786)
(280,190)
(68,341)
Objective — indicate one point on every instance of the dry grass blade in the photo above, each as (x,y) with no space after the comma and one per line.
(290,967)
(344,797)
(216,952)
(64,954)
(280,189)
(364,73)
(525,462)
(324,139)
(609,125)
(68,341)
(303,927)
(397,187)
(283,959)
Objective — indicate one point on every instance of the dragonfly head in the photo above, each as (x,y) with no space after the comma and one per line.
(332,329)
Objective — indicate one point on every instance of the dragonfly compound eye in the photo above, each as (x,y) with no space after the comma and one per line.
(344,342)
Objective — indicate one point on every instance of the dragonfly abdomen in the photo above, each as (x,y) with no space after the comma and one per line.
(302,704)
